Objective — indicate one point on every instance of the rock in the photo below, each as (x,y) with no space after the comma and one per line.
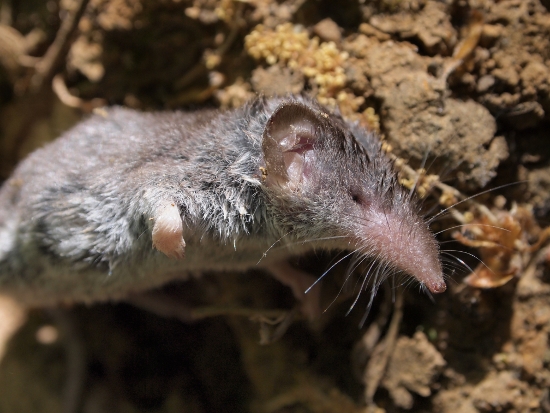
(328,31)
(414,366)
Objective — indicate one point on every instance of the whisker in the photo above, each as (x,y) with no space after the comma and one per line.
(352,266)
(454,268)
(341,289)
(335,257)
(301,242)
(445,174)
(448,264)
(418,175)
(442,214)
(459,260)
(144,231)
(449,277)
(272,245)
(495,243)
(428,211)
(365,280)
(359,217)
(356,262)
(327,271)
(308,241)
(425,290)
(393,289)
(407,282)
(477,225)
(365,257)
(448,241)
(472,255)
(386,273)
(472,197)
(374,290)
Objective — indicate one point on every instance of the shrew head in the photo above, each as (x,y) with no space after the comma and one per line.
(330,179)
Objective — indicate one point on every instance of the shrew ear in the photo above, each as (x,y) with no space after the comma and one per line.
(288,140)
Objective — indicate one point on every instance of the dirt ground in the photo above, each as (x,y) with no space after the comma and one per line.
(459,91)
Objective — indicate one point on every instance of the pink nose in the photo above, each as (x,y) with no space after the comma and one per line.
(436,287)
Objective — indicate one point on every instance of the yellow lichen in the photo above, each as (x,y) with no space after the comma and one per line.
(286,44)
(322,63)
(211,59)
(447,198)
(234,95)
(372,119)
(116,14)
(386,147)
(425,185)
(421,182)
(225,10)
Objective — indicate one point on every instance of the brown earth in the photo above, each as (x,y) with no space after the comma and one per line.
(464,83)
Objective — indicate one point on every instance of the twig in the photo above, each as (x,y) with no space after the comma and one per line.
(76,360)
(376,368)
(60,89)
(438,184)
(165,306)
(269,335)
(46,67)
(6,16)
(201,67)
(367,344)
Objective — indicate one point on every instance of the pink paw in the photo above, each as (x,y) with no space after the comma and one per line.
(168,231)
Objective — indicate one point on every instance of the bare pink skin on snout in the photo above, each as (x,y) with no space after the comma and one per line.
(406,245)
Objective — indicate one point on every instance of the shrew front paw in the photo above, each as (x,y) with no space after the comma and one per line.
(168,231)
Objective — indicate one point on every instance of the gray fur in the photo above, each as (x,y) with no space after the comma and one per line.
(76,216)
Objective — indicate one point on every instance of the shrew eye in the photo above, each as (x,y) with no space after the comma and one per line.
(356,196)
(359,198)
